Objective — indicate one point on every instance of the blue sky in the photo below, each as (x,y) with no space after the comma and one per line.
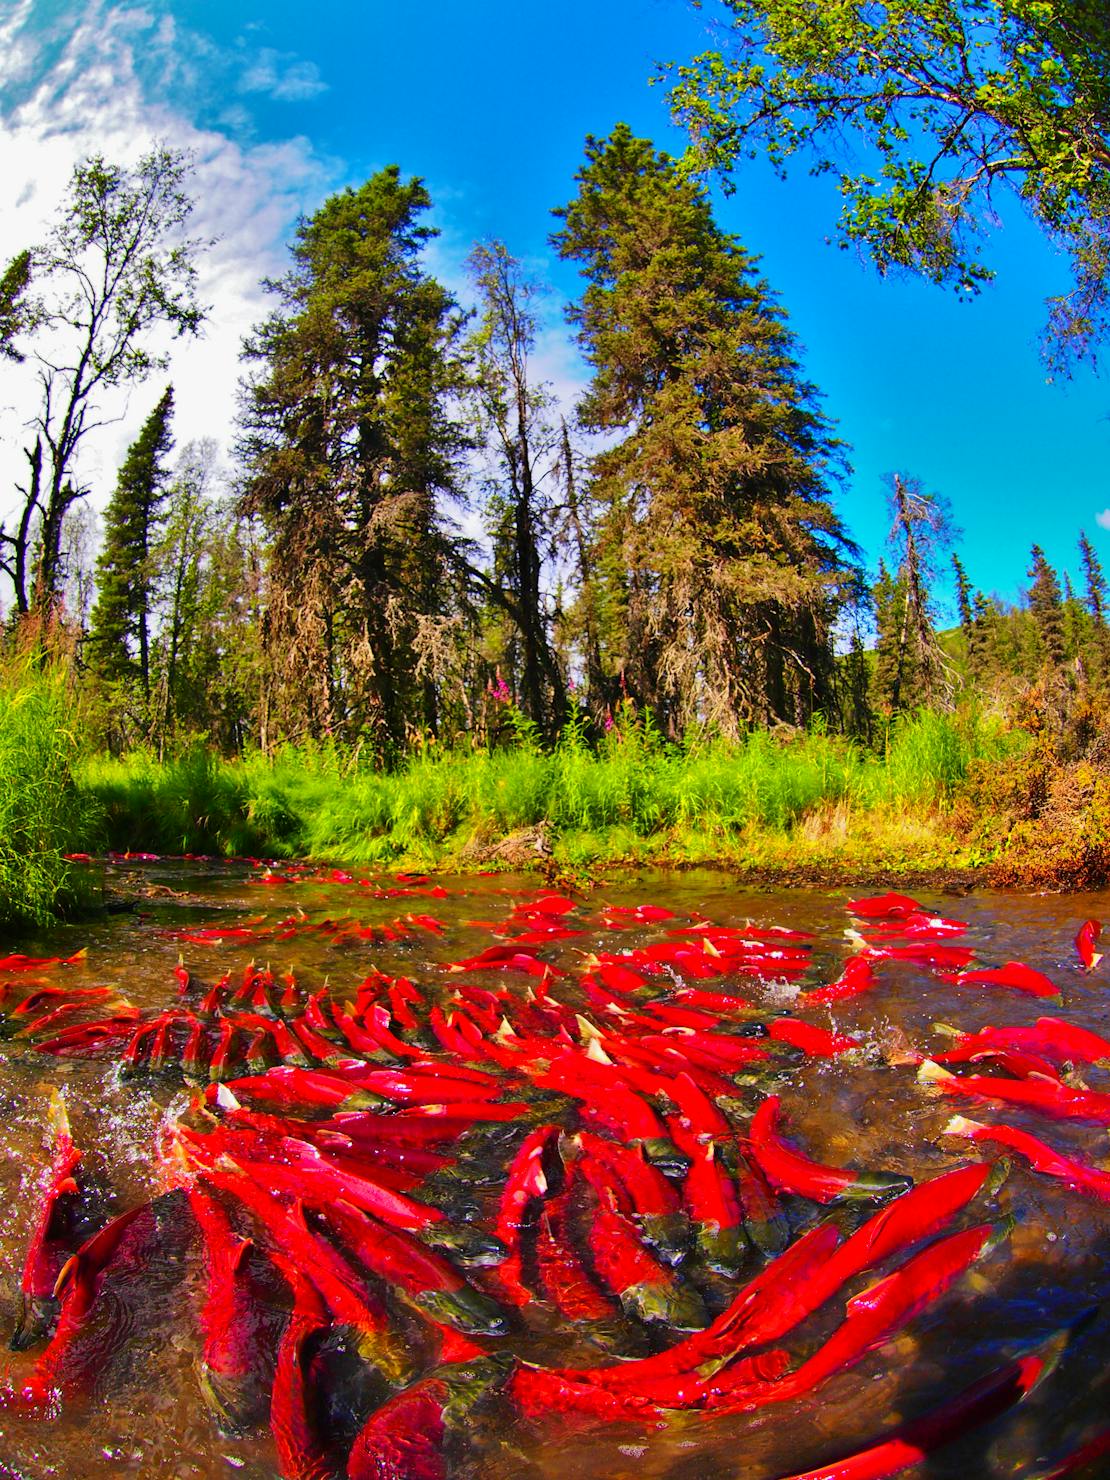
(490,103)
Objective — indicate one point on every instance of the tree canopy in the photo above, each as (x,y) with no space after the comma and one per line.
(681,560)
(1046,605)
(14,282)
(926,110)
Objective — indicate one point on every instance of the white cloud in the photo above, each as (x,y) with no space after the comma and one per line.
(17,49)
(282,77)
(1103,519)
(88,98)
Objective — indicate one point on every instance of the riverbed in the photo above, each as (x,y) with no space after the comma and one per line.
(143,1412)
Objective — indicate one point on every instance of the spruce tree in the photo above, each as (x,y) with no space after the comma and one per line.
(1096,600)
(964,599)
(963,595)
(1076,623)
(1095,581)
(888,600)
(984,623)
(716,551)
(1046,604)
(348,450)
(119,635)
(855,711)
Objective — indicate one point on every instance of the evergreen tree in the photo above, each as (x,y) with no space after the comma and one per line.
(888,600)
(1096,600)
(980,638)
(963,595)
(855,712)
(1046,605)
(964,599)
(119,636)
(1095,581)
(348,450)
(1076,622)
(181,560)
(857,717)
(714,543)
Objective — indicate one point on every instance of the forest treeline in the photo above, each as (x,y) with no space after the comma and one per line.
(420,560)
(418,544)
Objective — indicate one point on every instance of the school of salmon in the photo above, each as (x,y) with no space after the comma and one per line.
(368,1294)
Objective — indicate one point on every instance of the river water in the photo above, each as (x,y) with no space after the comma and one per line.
(143,1413)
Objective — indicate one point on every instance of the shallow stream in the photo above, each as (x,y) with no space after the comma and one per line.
(143,1412)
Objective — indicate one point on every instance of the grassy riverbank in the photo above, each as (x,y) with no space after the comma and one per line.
(767,801)
(944,794)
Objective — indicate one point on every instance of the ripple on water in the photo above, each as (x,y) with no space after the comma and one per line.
(143,1414)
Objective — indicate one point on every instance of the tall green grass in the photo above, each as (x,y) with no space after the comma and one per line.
(320,802)
(195,803)
(42,814)
(928,757)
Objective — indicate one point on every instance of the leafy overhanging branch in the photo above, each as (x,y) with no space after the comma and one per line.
(921,110)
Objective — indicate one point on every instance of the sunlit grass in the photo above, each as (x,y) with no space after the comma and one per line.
(631,796)
(42,816)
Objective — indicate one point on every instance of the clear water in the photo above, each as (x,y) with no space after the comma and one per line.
(144,1414)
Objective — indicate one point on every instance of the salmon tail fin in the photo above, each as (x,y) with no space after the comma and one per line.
(58,1115)
(960,1125)
(933,1073)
